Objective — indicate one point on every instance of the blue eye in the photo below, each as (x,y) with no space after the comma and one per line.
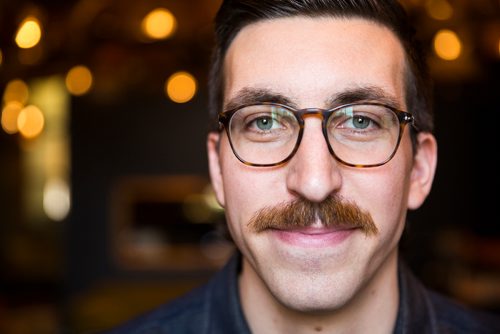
(361,122)
(264,123)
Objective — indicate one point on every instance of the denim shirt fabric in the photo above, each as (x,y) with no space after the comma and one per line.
(216,308)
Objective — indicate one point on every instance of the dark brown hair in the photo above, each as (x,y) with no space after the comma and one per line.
(234,15)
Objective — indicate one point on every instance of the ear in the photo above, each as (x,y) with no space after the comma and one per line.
(423,170)
(214,166)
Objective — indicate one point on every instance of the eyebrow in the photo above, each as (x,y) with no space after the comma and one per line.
(367,94)
(249,95)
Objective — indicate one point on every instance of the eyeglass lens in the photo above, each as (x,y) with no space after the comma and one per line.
(359,134)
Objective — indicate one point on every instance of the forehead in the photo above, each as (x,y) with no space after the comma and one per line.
(309,59)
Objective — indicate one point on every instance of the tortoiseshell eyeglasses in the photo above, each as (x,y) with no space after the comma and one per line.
(362,134)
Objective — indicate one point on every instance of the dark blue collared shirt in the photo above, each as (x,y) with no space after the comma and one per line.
(215,308)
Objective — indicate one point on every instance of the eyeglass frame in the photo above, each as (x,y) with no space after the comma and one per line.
(403,117)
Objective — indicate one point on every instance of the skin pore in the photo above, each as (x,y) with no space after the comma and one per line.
(332,280)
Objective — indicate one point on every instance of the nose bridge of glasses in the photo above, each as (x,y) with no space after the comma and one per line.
(318,117)
(311,112)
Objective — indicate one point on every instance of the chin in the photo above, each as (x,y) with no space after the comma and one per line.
(315,306)
(314,295)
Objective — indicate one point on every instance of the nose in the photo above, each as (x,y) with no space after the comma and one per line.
(313,173)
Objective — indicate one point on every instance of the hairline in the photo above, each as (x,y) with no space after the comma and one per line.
(407,73)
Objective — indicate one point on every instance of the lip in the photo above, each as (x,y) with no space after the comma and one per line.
(314,237)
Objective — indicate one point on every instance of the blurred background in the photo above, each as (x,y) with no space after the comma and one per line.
(105,204)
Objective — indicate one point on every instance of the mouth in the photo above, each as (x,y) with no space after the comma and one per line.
(314,236)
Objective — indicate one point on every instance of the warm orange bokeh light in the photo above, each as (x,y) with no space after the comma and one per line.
(439,9)
(181,87)
(447,45)
(30,122)
(79,80)
(10,113)
(29,33)
(16,90)
(159,24)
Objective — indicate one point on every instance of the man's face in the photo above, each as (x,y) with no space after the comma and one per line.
(312,61)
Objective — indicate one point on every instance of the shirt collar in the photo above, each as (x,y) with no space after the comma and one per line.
(415,313)
(225,309)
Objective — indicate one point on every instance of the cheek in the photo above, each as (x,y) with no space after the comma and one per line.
(246,190)
(383,192)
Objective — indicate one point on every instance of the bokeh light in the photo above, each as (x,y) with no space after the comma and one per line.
(160,23)
(1,57)
(56,199)
(30,121)
(16,90)
(447,45)
(10,113)
(439,9)
(181,87)
(79,80)
(29,33)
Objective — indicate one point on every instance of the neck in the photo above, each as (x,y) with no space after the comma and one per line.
(373,309)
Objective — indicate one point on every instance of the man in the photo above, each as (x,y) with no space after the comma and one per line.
(322,143)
